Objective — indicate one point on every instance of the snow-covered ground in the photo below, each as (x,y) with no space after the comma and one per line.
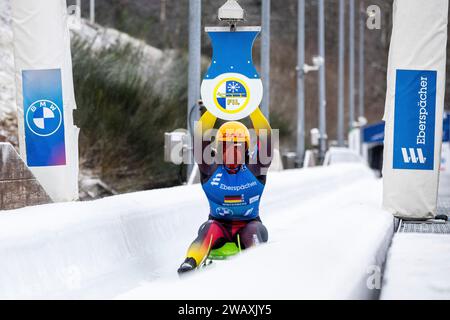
(97,36)
(327,231)
(418,267)
(7,85)
(418,264)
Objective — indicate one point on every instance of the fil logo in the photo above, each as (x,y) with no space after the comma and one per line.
(412,155)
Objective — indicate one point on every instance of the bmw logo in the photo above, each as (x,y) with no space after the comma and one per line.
(224,211)
(44,118)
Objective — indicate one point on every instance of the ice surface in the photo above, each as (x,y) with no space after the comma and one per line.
(326,231)
(418,267)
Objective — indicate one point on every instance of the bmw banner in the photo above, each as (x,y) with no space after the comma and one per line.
(45,98)
(414,108)
(44,124)
(232,88)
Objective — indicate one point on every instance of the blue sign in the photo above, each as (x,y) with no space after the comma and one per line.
(232,52)
(231,88)
(414,119)
(374,133)
(44,118)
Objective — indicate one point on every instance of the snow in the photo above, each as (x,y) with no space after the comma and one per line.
(326,230)
(418,267)
(418,264)
(104,38)
(7,85)
(97,36)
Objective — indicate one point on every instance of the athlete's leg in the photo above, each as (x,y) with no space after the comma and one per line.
(252,234)
(212,234)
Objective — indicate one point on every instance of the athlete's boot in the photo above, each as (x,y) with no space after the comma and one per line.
(188,265)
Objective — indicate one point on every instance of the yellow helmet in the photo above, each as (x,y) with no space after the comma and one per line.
(233,131)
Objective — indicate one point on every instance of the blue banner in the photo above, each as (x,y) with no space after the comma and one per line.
(414,119)
(232,52)
(44,120)
(232,88)
(446,135)
(373,133)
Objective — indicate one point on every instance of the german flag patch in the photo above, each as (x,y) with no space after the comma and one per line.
(234,199)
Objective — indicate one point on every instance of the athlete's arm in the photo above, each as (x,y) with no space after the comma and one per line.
(264,154)
(205,123)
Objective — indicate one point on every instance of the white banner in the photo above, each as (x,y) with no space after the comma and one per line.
(45,96)
(414,107)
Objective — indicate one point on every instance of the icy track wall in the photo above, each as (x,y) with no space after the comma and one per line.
(48,250)
(327,218)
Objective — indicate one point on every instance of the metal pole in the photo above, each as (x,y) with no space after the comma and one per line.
(362,25)
(162,13)
(322,84)
(194,64)
(92,11)
(78,3)
(341,112)
(301,82)
(351,76)
(265,56)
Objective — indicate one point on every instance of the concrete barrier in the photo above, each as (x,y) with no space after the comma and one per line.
(18,186)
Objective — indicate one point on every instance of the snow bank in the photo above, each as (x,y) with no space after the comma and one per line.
(418,267)
(325,238)
(418,264)
(325,228)
(7,84)
(103,38)
(98,36)
(52,249)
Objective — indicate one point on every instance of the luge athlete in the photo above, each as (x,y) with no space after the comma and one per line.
(233,184)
